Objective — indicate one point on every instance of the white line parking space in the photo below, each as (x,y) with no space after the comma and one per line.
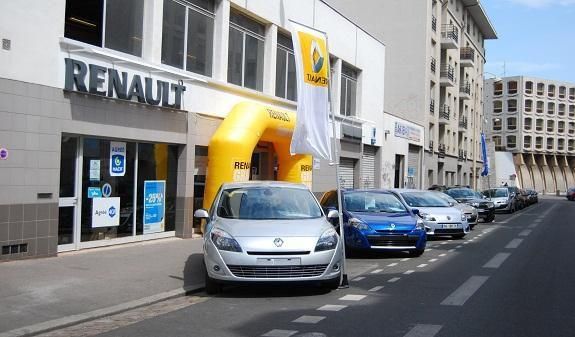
(332,307)
(525,232)
(308,319)
(514,243)
(424,330)
(465,291)
(497,260)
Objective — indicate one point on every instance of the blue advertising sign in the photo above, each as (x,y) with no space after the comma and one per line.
(94,192)
(117,159)
(154,206)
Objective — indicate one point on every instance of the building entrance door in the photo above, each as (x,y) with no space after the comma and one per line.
(68,202)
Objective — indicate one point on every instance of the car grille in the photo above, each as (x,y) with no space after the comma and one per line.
(299,252)
(392,240)
(471,218)
(277,271)
(449,231)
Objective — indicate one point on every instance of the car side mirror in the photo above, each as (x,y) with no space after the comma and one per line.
(512,194)
(451,204)
(332,215)
(415,211)
(201,214)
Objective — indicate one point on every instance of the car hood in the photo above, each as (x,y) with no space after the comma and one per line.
(465,208)
(382,221)
(468,200)
(501,199)
(274,228)
(442,214)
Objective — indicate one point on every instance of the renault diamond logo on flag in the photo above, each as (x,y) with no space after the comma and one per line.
(313,48)
(316,56)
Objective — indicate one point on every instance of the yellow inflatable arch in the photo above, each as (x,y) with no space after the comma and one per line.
(231,147)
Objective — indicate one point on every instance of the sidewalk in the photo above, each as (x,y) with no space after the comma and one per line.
(43,293)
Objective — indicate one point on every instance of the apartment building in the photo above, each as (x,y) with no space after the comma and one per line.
(434,77)
(534,120)
(108,107)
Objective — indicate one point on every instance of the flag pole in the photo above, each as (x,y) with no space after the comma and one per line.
(344,282)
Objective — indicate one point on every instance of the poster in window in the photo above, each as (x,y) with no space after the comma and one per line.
(105,212)
(154,206)
(117,159)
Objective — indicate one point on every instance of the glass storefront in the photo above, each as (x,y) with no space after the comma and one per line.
(124,189)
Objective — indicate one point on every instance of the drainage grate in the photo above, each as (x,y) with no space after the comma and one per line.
(15,249)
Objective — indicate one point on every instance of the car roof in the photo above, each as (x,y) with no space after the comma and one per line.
(263,183)
(401,190)
(365,190)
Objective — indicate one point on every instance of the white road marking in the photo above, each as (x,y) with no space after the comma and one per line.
(538,220)
(423,330)
(433,260)
(466,243)
(465,291)
(279,333)
(514,243)
(395,279)
(409,272)
(497,260)
(359,278)
(308,319)
(451,250)
(374,289)
(525,232)
(352,298)
(422,265)
(458,246)
(444,243)
(442,254)
(332,307)
(428,249)
(533,225)
(392,264)
(403,260)
(377,271)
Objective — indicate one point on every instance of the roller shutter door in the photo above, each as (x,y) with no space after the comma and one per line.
(413,167)
(368,166)
(346,172)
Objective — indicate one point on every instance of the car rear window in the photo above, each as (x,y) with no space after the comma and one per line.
(362,201)
(424,199)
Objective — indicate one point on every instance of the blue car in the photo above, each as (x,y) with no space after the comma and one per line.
(378,220)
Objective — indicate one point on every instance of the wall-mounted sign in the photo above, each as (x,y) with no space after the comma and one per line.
(94,192)
(106,190)
(316,163)
(94,170)
(3,154)
(411,171)
(117,159)
(407,132)
(108,82)
(154,206)
(105,212)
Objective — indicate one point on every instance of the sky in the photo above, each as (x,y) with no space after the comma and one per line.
(536,38)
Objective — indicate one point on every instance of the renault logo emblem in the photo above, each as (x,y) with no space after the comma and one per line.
(448,217)
(392,226)
(278,242)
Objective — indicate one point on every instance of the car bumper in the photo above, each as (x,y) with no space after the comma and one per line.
(388,240)
(434,228)
(485,213)
(232,267)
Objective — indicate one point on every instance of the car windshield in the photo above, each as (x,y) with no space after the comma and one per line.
(461,193)
(268,203)
(373,202)
(424,199)
(447,198)
(496,193)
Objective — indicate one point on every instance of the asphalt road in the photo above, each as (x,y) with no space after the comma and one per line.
(514,277)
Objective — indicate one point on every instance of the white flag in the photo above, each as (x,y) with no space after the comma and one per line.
(311,133)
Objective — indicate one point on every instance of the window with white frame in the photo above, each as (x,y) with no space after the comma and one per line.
(348,98)
(246,52)
(114,24)
(511,123)
(285,69)
(511,142)
(188,35)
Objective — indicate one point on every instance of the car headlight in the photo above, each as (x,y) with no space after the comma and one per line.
(354,222)
(490,205)
(327,241)
(474,204)
(427,217)
(224,241)
(420,224)
(463,217)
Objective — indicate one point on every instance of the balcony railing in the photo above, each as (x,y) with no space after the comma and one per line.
(447,71)
(460,157)
(433,64)
(465,88)
(441,150)
(450,32)
(431,145)
(467,53)
(444,112)
(463,122)
(434,23)
(432,107)
(465,154)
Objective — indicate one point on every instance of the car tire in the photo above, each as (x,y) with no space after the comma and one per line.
(331,284)
(212,286)
(416,253)
(458,236)
(490,218)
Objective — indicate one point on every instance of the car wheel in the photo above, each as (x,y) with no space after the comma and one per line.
(416,253)
(458,236)
(212,286)
(331,284)
(490,218)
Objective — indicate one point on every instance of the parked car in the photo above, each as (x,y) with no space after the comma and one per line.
(571,194)
(524,198)
(485,208)
(269,232)
(533,196)
(469,211)
(503,198)
(378,220)
(439,217)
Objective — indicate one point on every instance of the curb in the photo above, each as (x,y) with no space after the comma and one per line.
(63,322)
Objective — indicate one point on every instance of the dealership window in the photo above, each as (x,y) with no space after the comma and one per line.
(246,52)
(188,34)
(114,24)
(348,98)
(285,69)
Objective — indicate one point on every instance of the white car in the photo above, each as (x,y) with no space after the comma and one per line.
(470,211)
(269,232)
(439,217)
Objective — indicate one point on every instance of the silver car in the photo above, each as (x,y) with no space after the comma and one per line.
(469,211)
(439,217)
(269,232)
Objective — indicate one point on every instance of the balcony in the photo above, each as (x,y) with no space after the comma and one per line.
(431,145)
(434,23)
(463,123)
(465,90)
(449,36)
(432,107)
(433,65)
(465,155)
(441,151)
(447,76)
(460,157)
(467,57)
(444,113)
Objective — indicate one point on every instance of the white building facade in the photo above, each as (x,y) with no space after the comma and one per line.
(109,99)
